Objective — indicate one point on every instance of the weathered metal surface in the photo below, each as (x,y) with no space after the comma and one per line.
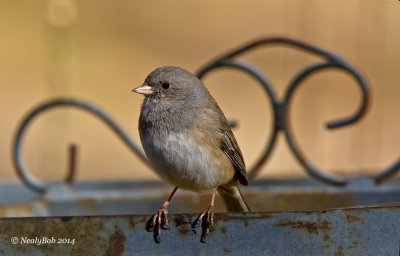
(352,231)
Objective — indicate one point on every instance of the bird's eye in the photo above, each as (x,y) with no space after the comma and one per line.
(165,85)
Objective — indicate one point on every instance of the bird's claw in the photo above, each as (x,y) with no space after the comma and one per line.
(208,222)
(158,221)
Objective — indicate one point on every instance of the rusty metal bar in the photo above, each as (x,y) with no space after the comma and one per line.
(72,154)
(348,231)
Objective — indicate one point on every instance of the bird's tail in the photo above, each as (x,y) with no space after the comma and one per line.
(233,198)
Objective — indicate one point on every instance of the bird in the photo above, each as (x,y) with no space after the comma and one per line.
(188,142)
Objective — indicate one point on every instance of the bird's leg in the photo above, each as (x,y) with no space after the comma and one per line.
(209,214)
(160,217)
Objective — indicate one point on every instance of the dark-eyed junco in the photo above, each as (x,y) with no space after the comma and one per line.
(188,142)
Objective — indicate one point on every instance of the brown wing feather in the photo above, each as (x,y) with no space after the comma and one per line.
(231,149)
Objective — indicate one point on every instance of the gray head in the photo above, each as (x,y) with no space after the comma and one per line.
(170,84)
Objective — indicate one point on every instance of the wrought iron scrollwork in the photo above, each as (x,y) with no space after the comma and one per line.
(281,107)
(25,175)
(229,60)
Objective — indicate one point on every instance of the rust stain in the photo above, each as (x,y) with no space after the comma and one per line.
(339,251)
(116,243)
(223,230)
(326,238)
(226,250)
(181,224)
(350,219)
(245,224)
(244,216)
(311,227)
(132,223)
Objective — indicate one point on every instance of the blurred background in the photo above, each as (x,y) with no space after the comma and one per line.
(100,50)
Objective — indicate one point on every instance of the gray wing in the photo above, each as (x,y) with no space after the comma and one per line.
(231,149)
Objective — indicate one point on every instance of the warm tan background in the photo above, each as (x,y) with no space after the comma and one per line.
(100,50)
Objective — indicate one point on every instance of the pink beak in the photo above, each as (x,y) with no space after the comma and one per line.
(144,89)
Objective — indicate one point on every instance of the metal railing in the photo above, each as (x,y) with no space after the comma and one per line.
(280,108)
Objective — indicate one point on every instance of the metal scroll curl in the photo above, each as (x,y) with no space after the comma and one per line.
(281,107)
(23,172)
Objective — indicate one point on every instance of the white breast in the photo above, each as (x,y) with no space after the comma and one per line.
(179,160)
